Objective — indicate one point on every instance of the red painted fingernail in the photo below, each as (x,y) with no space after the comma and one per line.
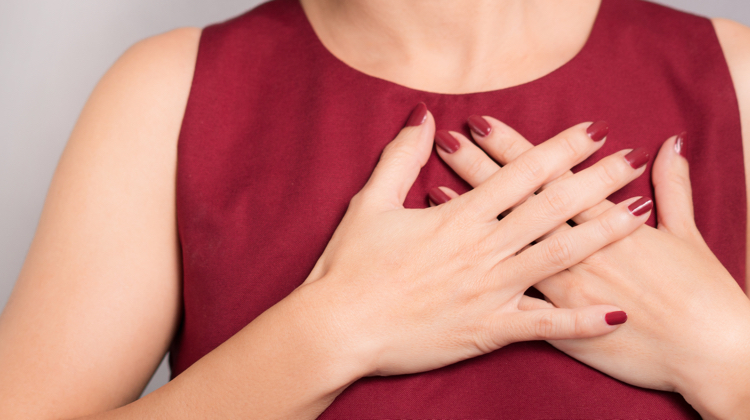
(637,158)
(641,206)
(418,115)
(616,318)
(598,130)
(680,145)
(438,197)
(479,126)
(446,141)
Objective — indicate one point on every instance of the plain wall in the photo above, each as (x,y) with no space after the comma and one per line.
(53,52)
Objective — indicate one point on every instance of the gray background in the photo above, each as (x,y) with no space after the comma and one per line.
(53,52)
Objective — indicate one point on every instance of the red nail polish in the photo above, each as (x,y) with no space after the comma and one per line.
(641,206)
(616,318)
(438,197)
(446,141)
(479,126)
(418,115)
(680,145)
(637,158)
(598,130)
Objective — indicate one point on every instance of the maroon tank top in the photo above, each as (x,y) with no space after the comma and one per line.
(279,134)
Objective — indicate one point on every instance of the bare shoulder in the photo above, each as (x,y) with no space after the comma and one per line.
(147,86)
(100,286)
(735,42)
(172,52)
(153,67)
(734,38)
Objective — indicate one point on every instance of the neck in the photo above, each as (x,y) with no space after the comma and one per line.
(453,46)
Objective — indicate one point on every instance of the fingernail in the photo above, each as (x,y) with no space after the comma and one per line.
(598,130)
(616,318)
(641,206)
(637,158)
(446,141)
(438,197)
(680,145)
(418,115)
(479,126)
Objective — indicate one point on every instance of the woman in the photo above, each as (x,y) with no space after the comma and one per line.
(286,111)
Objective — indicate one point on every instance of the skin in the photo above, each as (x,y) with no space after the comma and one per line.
(676,296)
(85,328)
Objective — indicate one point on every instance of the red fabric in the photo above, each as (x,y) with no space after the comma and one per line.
(278,135)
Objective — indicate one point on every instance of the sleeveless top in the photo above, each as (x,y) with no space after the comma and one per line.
(279,134)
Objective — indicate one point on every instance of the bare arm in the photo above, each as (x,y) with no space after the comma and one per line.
(735,41)
(106,245)
(98,299)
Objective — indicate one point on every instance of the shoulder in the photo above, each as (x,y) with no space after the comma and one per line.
(735,43)
(176,47)
(154,65)
(143,96)
(137,107)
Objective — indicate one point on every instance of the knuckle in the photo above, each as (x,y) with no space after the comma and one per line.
(390,148)
(530,170)
(609,174)
(508,149)
(476,170)
(677,180)
(359,200)
(545,326)
(559,251)
(515,149)
(403,152)
(398,149)
(608,227)
(555,201)
(581,324)
(570,147)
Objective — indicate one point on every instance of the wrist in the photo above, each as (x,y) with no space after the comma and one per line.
(721,402)
(331,322)
(719,388)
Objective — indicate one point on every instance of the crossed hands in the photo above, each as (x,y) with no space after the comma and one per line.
(411,290)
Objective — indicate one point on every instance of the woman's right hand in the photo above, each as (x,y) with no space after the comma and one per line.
(410,290)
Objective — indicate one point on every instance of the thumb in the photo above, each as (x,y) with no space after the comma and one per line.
(674,196)
(401,161)
(562,324)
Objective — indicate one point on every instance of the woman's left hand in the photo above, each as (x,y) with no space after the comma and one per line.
(688,326)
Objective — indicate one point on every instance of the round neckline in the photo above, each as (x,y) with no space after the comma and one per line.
(337,62)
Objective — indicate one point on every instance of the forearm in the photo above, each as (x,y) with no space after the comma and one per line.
(284,364)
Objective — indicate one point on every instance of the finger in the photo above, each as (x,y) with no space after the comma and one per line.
(440,195)
(468,161)
(561,228)
(504,145)
(528,303)
(554,206)
(531,170)
(572,246)
(563,324)
(465,158)
(671,179)
(474,166)
(401,161)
